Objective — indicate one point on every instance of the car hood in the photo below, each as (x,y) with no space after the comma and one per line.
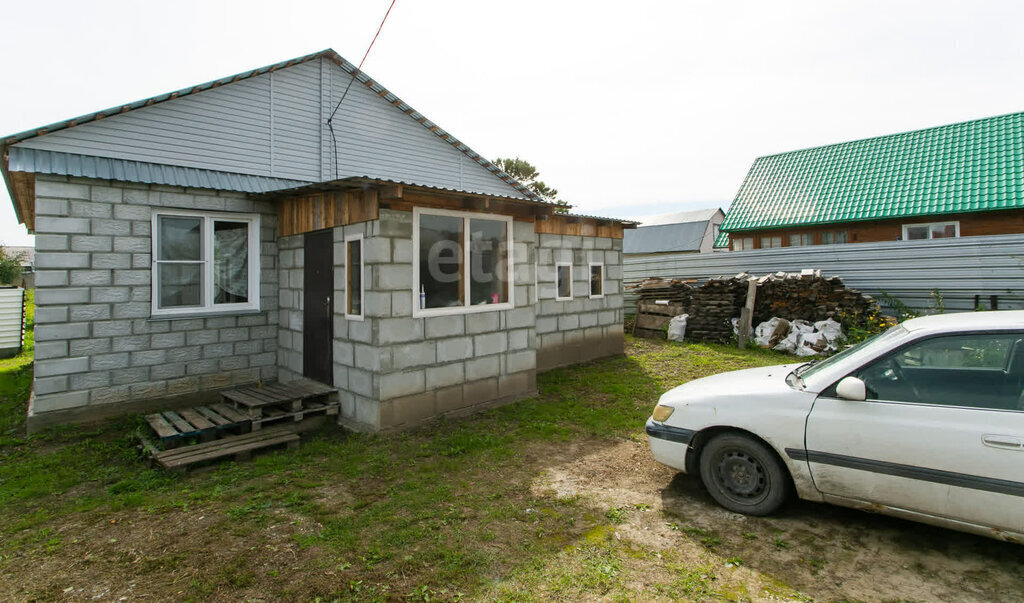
(749,384)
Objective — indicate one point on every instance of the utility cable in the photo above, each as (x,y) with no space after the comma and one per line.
(330,120)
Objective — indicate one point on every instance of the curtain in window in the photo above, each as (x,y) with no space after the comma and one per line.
(230,262)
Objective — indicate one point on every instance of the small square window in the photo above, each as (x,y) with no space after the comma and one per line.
(596,280)
(563,281)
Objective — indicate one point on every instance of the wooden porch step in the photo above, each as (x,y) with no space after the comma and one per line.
(294,400)
(239,446)
(203,423)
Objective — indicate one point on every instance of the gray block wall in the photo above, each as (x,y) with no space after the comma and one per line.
(449,364)
(394,371)
(352,350)
(582,328)
(97,351)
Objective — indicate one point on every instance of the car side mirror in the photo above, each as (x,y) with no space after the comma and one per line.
(852,388)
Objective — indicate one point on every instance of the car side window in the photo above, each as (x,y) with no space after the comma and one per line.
(983,370)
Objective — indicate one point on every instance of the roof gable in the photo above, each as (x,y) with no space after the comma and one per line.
(964,167)
(271,122)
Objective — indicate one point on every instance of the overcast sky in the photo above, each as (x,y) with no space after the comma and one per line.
(627,108)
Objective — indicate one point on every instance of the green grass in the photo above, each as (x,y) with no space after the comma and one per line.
(441,512)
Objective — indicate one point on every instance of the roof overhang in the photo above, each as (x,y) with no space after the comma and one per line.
(21,186)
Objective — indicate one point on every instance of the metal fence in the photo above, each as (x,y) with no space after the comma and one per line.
(914,272)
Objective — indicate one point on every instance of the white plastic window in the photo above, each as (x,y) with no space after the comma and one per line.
(461,262)
(205,263)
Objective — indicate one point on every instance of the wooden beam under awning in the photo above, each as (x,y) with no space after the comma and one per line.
(23,193)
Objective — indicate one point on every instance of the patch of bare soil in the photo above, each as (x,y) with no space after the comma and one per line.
(822,551)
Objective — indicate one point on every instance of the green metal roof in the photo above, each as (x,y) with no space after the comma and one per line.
(964,167)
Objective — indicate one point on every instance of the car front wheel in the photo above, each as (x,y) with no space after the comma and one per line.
(743,475)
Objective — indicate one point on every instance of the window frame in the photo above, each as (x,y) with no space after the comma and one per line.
(590,277)
(466,216)
(893,353)
(802,236)
(836,234)
(557,297)
(362,278)
(771,241)
(954,223)
(208,307)
(741,243)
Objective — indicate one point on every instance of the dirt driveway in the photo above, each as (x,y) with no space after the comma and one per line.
(824,552)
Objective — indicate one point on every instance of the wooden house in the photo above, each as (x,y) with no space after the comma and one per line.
(958,180)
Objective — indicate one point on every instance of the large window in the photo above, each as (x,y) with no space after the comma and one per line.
(934,230)
(205,263)
(354,277)
(769,242)
(462,262)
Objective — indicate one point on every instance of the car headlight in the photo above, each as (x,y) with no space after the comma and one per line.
(662,413)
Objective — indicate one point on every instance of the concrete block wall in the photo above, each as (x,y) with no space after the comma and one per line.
(290,305)
(353,349)
(582,328)
(449,364)
(98,352)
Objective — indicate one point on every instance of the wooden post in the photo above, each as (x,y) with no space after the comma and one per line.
(747,314)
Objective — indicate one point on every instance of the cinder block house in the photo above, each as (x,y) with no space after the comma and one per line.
(956,180)
(251,230)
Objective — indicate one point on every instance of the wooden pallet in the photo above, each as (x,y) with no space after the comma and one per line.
(203,423)
(295,400)
(239,446)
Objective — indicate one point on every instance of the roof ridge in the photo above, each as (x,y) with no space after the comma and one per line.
(893,135)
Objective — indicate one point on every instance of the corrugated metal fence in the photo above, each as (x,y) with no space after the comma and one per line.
(12,311)
(910,271)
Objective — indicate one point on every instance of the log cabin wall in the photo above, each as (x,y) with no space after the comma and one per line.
(971,224)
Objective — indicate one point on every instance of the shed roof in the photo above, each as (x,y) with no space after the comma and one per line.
(680,217)
(963,167)
(660,238)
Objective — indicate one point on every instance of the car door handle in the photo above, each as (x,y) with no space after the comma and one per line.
(1002,441)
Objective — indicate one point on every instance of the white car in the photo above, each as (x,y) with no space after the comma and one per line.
(925,422)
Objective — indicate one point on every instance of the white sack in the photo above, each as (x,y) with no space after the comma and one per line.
(677,327)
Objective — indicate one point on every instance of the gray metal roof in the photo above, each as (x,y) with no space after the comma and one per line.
(329,54)
(699,215)
(51,162)
(664,238)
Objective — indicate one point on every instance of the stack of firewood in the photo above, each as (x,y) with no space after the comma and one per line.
(712,308)
(809,296)
(803,295)
(658,300)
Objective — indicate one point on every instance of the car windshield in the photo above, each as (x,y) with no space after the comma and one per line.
(864,348)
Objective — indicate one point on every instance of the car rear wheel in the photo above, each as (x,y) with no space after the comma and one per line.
(743,475)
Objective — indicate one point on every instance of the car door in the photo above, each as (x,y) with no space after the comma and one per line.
(941,433)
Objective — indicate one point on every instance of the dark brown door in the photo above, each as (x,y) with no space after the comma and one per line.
(317,321)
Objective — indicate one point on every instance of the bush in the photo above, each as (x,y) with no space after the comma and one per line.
(10,266)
